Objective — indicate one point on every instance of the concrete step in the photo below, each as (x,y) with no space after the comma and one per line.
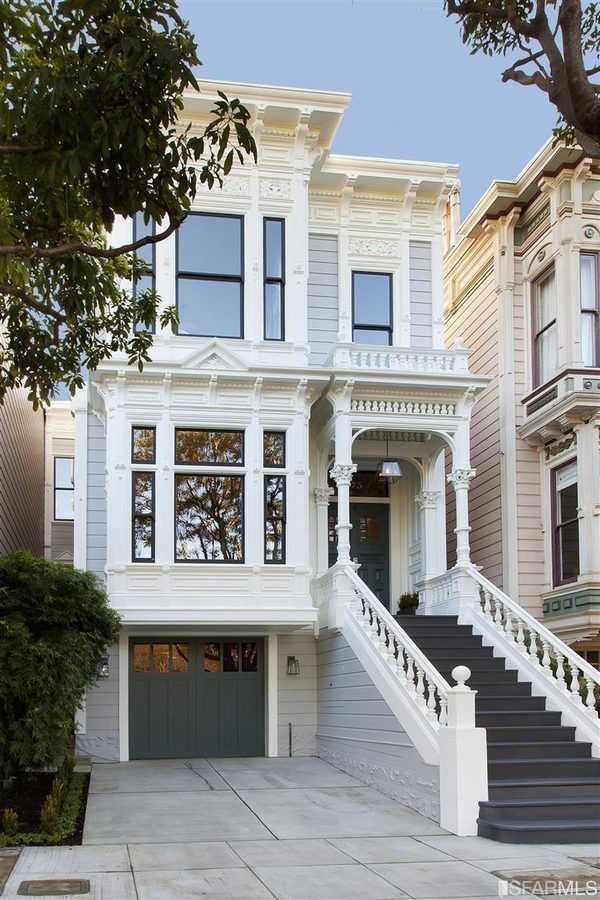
(538,749)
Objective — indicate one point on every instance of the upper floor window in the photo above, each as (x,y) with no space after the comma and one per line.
(143,444)
(589,268)
(147,253)
(64,488)
(545,334)
(210,283)
(565,524)
(274,279)
(371,308)
(275,497)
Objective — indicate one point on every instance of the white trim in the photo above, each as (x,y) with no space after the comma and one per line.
(271,688)
(123,697)
(80,408)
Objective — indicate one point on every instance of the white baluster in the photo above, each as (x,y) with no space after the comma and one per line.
(374,626)
(420,688)
(560,672)
(575,686)
(590,700)
(498,613)
(401,665)
(431,710)
(509,627)
(487,606)
(410,673)
(521,636)
(391,650)
(546,659)
(533,647)
(382,638)
(443,710)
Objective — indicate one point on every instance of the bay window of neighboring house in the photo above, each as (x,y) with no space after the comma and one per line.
(371,308)
(209,501)
(565,524)
(147,253)
(545,332)
(210,282)
(589,269)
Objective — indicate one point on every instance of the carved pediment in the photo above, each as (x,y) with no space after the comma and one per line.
(214,356)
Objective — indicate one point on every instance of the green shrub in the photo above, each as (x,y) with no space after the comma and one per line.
(55,624)
(49,815)
(408,601)
(10,822)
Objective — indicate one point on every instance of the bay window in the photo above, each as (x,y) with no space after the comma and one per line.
(274,279)
(589,270)
(371,308)
(143,517)
(565,524)
(545,333)
(209,505)
(210,283)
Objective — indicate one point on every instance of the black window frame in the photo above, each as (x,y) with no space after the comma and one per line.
(281,465)
(369,327)
(151,516)
(211,276)
(229,562)
(214,465)
(269,280)
(136,216)
(282,519)
(143,462)
(557,526)
(56,518)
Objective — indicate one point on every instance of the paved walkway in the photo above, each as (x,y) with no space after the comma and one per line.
(258,828)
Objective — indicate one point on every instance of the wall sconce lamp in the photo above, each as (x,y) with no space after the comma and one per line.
(293,665)
(103,669)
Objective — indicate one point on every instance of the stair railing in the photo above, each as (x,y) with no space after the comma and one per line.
(416,675)
(573,683)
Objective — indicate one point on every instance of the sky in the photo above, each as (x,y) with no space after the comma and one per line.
(417,91)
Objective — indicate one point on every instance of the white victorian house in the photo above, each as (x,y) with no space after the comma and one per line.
(259,498)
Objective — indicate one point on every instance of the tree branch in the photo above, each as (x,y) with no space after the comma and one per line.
(14,149)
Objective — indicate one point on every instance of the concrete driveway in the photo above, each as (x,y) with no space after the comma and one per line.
(286,828)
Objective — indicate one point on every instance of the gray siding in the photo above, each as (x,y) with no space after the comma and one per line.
(100,740)
(297,695)
(357,731)
(96,496)
(322,296)
(421,306)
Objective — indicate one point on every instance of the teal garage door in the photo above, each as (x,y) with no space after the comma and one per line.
(196,697)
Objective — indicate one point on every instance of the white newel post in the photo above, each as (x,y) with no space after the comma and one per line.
(463,760)
(322,495)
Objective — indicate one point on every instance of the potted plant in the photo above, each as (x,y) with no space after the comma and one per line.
(407,604)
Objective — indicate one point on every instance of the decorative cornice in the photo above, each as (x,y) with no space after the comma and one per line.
(554,449)
(342,474)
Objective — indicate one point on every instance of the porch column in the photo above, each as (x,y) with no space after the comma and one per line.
(322,495)
(427,502)
(342,474)
(460,479)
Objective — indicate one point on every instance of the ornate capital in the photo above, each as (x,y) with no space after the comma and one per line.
(342,475)
(427,499)
(461,478)
(322,495)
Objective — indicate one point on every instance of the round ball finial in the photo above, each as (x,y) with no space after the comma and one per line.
(461,674)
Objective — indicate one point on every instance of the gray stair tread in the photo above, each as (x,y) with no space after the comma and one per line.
(542,782)
(544,825)
(540,744)
(543,801)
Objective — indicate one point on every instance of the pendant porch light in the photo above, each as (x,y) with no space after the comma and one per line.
(389,469)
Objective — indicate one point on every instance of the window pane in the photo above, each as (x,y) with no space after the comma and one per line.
(180,655)
(143,445)
(547,345)
(274,448)
(231,657)
(372,295)
(274,540)
(143,489)
(371,336)
(64,504)
(274,497)
(142,538)
(589,324)
(142,230)
(209,517)
(200,446)
(568,536)
(209,308)
(249,657)
(567,503)
(211,245)
(545,296)
(273,248)
(63,472)
(588,281)
(273,312)
(212,657)
(160,657)
(141,657)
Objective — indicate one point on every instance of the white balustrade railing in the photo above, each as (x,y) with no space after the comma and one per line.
(396,359)
(574,678)
(427,688)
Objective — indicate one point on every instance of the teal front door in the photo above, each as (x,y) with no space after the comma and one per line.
(196,697)
(369,545)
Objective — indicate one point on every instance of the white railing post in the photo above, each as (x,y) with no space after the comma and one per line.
(463,760)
